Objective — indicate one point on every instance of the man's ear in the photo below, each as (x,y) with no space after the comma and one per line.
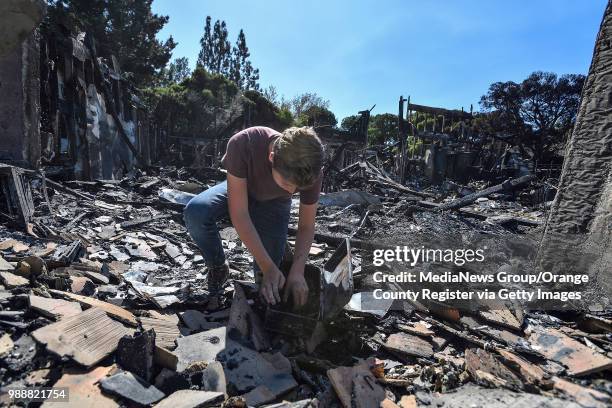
(271,157)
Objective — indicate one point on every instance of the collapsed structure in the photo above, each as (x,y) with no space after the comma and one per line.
(93,122)
(114,258)
(103,292)
(74,112)
(446,147)
(82,119)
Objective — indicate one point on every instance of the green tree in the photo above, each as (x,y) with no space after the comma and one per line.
(177,71)
(383,129)
(215,49)
(317,116)
(348,122)
(205,55)
(240,56)
(237,61)
(271,94)
(540,111)
(207,105)
(241,69)
(204,105)
(221,49)
(127,29)
(302,102)
(264,112)
(167,106)
(251,77)
(218,56)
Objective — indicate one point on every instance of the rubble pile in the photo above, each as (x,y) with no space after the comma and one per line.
(104,292)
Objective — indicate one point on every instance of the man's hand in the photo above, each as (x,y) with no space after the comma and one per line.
(297,287)
(272,282)
(296,284)
(238,207)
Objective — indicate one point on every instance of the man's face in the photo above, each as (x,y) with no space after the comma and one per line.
(281,181)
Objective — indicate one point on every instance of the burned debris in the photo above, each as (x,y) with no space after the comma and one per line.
(103,291)
(115,305)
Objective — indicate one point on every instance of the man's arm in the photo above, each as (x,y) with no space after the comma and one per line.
(296,284)
(238,208)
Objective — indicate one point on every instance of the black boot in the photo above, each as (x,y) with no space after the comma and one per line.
(216,278)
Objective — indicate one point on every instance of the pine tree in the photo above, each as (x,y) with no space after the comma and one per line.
(220,49)
(218,56)
(243,54)
(251,77)
(243,73)
(240,55)
(176,72)
(226,51)
(205,54)
(235,68)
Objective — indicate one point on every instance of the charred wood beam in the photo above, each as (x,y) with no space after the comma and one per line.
(508,185)
(459,334)
(58,186)
(383,179)
(431,206)
(67,254)
(349,168)
(76,220)
(45,193)
(439,111)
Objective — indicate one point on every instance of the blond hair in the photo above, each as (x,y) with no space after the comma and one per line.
(298,155)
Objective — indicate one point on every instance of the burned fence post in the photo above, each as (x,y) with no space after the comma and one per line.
(402,137)
(15,195)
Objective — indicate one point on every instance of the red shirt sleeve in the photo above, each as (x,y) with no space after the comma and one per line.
(235,158)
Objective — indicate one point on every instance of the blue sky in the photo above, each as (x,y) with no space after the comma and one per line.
(359,53)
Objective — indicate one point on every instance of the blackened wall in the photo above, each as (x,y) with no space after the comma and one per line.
(20,103)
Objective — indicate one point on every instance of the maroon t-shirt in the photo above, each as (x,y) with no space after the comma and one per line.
(247,157)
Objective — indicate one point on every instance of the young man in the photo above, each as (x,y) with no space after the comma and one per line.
(264,169)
